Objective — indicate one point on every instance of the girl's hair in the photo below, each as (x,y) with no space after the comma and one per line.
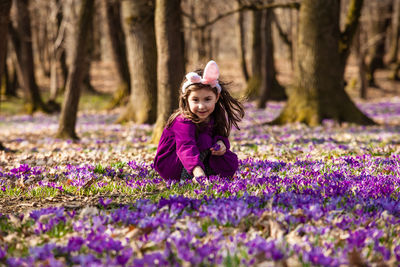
(228,111)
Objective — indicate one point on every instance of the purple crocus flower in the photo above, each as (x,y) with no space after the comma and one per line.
(3,253)
(317,257)
(44,252)
(75,243)
(123,258)
(216,147)
(357,239)
(151,259)
(86,260)
(105,202)
(397,252)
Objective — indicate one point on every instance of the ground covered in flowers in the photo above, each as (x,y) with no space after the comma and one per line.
(327,196)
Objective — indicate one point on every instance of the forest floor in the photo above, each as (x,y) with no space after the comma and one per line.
(29,138)
(329,172)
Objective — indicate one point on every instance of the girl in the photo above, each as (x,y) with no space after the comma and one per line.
(195,141)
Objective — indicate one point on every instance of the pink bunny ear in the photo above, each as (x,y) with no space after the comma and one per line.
(211,72)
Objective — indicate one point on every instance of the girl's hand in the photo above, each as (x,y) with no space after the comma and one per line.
(198,172)
(218,152)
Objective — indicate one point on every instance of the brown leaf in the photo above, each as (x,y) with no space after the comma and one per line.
(355,259)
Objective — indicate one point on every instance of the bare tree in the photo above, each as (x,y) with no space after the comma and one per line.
(380,21)
(170,64)
(270,87)
(56,38)
(138,17)
(66,128)
(5,6)
(268,67)
(360,53)
(394,48)
(241,42)
(22,41)
(254,82)
(112,10)
(318,92)
(40,12)
(71,12)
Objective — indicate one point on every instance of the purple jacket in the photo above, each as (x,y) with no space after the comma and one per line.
(180,147)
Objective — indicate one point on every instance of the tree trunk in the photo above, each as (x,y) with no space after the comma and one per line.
(394,48)
(380,24)
(241,43)
(118,48)
(69,110)
(90,54)
(285,37)
(270,87)
(254,83)
(170,64)
(360,55)
(5,6)
(268,67)
(319,86)
(10,80)
(40,32)
(22,41)
(63,57)
(138,17)
(71,10)
(57,32)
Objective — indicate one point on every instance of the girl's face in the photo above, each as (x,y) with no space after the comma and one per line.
(202,103)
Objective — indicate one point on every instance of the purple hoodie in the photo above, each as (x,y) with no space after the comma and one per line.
(180,147)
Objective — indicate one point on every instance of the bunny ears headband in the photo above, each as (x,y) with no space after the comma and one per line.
(210,77)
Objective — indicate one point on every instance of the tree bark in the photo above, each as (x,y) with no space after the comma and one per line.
(56,31)
(254,83)
(285,36)
(319,86)
(270,87)
(90,55)
(362,68)
(69,110)
(138,17)
(380,24)
(5,6)
(171,62)
(118,48)
(268,67)
(241,43)
(71,10)
(40,32)
(394,48)
(22,41)
(10,80)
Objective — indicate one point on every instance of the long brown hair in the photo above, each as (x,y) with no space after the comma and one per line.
(227,113)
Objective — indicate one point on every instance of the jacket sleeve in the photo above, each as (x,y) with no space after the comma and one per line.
(186,147)
(225,165)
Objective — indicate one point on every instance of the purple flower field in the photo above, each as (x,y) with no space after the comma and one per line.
(321,196)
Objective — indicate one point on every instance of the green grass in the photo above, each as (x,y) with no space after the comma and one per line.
(11,106)
(95,102)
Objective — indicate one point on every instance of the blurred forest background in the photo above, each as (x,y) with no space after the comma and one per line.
(317,55)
